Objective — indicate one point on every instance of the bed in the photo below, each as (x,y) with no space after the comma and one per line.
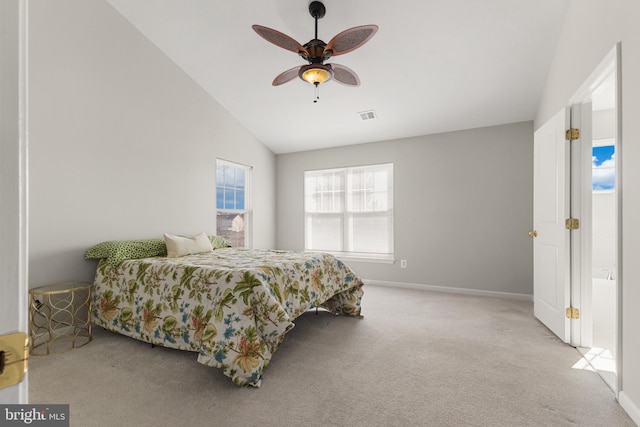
(231,306)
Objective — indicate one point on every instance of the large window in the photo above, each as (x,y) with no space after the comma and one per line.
(349,211)
(233,214)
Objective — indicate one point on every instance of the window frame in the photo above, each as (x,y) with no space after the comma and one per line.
(247,211)
(347,214)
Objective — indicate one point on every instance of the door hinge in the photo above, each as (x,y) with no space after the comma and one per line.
(573,313)
(572,224)
(572,134)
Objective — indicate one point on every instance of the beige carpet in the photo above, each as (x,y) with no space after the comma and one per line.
(417,358)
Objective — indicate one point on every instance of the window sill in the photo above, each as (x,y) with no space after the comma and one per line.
(378,259)
(366,259)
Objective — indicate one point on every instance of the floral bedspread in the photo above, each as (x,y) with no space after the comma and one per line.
(232,306)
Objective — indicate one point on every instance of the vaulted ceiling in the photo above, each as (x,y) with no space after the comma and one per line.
(434,65)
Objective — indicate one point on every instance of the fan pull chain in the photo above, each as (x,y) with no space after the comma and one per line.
(317,94)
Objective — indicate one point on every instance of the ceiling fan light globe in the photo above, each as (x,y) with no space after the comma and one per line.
(316,73)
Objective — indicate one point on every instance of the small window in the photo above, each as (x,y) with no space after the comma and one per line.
(349,211)
(232,203)
(604,167)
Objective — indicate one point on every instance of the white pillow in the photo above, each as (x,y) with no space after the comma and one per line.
(180,246)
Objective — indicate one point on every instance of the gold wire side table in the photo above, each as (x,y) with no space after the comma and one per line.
(60,317)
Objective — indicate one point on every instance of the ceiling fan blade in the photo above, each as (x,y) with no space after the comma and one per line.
(279,39)
(286,76)
(350,39)
(345,75)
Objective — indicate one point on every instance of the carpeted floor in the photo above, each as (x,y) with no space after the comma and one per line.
(418,358)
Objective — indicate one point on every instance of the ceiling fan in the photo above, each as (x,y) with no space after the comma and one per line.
(316,52)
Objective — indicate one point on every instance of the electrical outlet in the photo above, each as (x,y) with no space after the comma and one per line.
(37,302)
(403,263)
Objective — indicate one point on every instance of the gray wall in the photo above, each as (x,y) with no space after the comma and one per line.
(463,206)
(123,144)
(591,30)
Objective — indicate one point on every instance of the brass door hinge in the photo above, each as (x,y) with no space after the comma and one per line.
(14,353)
(572,224)
(572,134)
(573,313)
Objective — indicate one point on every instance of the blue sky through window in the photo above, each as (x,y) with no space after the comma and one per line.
(604,162)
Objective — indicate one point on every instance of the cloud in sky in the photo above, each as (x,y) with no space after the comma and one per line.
(604,163)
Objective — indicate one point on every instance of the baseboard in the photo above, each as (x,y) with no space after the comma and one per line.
(465,291)
(630,407)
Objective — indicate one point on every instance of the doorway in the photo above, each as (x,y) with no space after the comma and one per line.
(577,261)
(600,348)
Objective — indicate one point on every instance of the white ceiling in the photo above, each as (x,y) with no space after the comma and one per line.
(434,65)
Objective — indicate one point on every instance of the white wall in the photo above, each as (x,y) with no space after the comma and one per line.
(604,232)
(603,124)
(591,30)
(603,205)
(462,206)
(123,143)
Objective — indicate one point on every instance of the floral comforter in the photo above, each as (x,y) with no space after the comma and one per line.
(232,306)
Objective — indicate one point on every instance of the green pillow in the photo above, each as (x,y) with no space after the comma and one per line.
(219,242)
(116,251)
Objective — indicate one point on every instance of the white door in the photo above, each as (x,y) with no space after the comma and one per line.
(13,215)
(551,246)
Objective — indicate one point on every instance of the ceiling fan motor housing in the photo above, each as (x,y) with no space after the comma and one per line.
(315,52)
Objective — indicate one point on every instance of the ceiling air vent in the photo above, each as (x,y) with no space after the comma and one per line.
(367,115)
